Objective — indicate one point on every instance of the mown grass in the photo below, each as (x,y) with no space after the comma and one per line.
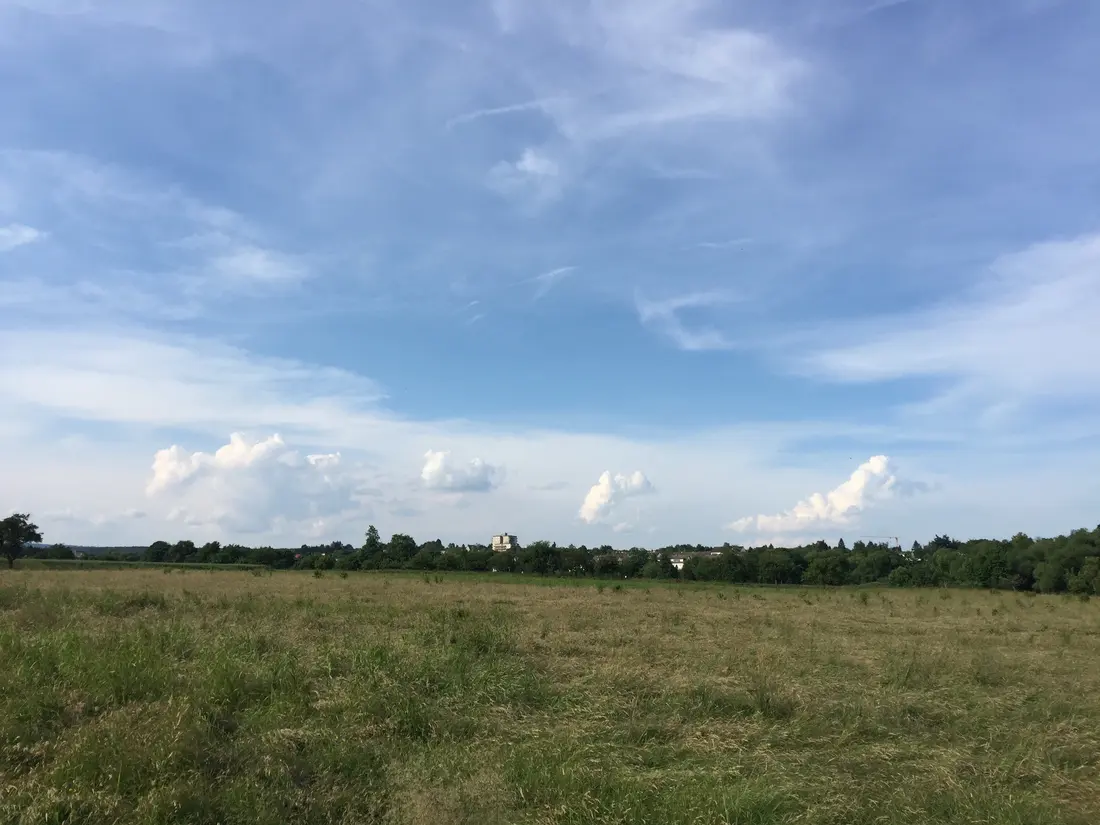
(131,696)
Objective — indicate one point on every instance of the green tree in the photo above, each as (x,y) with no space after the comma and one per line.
(775,567)
(1087,579)
(401,549)
(16,532)
(1050,577)
(59,551)
(157,551)
(830,567)
(374,542)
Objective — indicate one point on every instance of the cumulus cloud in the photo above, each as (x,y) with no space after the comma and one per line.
(441,472)
(16,234)
(610,491)
(251,486)
(874,481)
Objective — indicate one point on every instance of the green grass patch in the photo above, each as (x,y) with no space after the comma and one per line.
(129,697)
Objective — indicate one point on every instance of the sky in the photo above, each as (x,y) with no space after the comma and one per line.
(630,273)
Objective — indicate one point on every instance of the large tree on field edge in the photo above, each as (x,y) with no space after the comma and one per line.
(16,532)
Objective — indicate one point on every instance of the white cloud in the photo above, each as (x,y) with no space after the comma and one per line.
(494,111)
(249,263)
(132,245)
(251,486)
(1027,332)
(651,65)
(127,375)
(548,280)
(16,235)
(534,176)
(610,491)
(145,388)
(98,520)
(536,164)
(872,482)
(442,473)
(664,316)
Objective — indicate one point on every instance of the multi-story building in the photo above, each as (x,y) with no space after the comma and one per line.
(505,542)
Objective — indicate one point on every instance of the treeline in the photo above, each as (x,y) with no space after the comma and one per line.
(1049,565)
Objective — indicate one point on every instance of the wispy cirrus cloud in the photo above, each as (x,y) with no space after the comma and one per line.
(127,375)
(546,281)
(629,79)
(651,65)
(120,234)
(665,317)
(1023,333)
(497,111)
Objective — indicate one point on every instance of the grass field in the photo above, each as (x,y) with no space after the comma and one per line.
(104,564)
(146,696)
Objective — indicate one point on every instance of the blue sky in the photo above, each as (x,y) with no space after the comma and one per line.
(601,272)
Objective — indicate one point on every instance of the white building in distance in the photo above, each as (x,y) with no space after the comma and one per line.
(505,542)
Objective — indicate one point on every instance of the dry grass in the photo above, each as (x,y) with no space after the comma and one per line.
(140,696)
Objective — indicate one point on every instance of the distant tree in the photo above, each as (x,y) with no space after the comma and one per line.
(373,542)
(60,552)
(1087,579)
(1050,577)
(775,567)
(539,557)
(400,550)
(634,562)
(1022,541)
(945,542)
(840,545)
(606,565)
(830,567)
(450,560)
(575,561)
(157,551)
(182,551)
(16,532)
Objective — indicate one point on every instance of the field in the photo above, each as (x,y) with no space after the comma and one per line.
(165,696)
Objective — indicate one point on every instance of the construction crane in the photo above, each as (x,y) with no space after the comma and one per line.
(897,543)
